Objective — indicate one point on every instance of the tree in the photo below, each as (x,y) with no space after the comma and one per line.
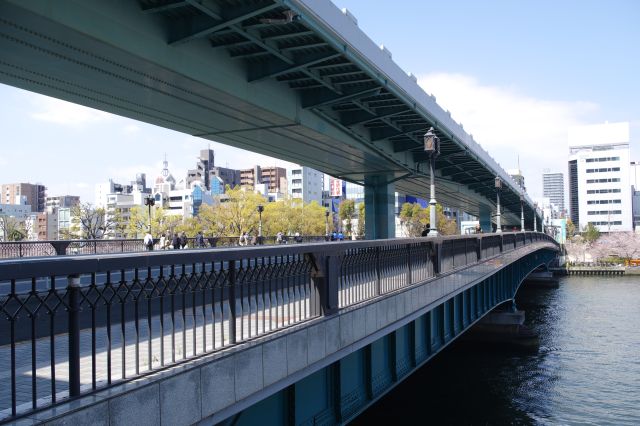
(590,233)
(571,229)
(240,212)
(346,211)
(90,223)
(414,218)
(361,228)
(625,245)
(12,228)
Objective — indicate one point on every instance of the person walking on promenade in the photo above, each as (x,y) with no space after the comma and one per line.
(175,241)
(163,242)
(148,241)
(242,241)
(183,241)
(200,240)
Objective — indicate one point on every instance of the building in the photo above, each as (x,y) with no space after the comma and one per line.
(17,193)
(274,177)
(202,171)
(518,178)
(227,176)
(599,176)
(306,184)
(553,189)
(52,204)
(180,199)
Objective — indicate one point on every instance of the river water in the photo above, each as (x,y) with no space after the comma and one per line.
(586,371)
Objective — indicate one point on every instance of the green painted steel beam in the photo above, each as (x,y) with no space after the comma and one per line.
(164,7)
(227,19)
(275,68)
(323,98)
(365,116)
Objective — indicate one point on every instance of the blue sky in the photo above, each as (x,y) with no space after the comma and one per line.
(516,74)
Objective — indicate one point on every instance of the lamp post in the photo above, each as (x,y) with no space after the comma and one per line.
(260,210)
(149,201)
(522,212)
(535,217)
(498,184)
(326,224)
(432,148)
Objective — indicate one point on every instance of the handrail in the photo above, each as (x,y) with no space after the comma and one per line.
(166,307)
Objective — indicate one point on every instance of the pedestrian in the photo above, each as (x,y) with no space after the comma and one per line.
(163,242)
(200,240)
(298,238)
(148,241)
(242,241)
(254,240)
(478,229)
(340,236)
(175,241)
(425,231)
(279,239)
(183,241)
(334,236)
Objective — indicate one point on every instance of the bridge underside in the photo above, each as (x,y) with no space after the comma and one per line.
(234,73)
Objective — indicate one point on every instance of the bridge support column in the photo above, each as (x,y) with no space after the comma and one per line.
(379,206)
(485,218)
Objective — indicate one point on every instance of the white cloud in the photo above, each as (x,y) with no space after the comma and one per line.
(65,113)
(130,129)
(82,185)
(508,123)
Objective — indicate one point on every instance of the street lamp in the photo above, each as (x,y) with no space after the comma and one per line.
(535,217)
(326,225)
(498,184)
(521,212)
(260,210)
(149,201)
(432,148)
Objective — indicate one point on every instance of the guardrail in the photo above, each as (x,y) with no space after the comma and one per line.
(13,249)
(74,325)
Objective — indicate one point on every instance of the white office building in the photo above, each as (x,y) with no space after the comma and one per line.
(599,176)
(305,183)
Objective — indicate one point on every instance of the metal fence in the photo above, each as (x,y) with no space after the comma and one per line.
(15,249)
(71,326)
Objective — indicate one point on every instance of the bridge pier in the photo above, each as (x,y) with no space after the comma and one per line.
(379,205)
(485,218)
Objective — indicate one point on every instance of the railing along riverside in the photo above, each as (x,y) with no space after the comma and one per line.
(13,249)
(71,326)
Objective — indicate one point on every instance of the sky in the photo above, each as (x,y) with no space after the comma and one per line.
(516,74)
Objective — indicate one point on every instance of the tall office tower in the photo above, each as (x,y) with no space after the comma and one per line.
(553,188)
(16,193)
(599,176)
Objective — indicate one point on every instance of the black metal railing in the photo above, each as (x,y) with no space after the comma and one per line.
(70,326)
(9,250)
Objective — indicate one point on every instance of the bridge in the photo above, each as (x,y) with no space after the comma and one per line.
(293,79)
(298,334)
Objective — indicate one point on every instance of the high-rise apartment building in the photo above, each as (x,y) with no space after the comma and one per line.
(305,183)
(24,193)
(229,177)
(599,176)
(553,189)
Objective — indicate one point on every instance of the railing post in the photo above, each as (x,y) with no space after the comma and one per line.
(437,257)
(378,279)
(73,289)
(232,301)
(479,249)
(331,285)
(409,264)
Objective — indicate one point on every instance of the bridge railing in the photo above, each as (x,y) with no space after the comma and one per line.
(74,325)
(15,249)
